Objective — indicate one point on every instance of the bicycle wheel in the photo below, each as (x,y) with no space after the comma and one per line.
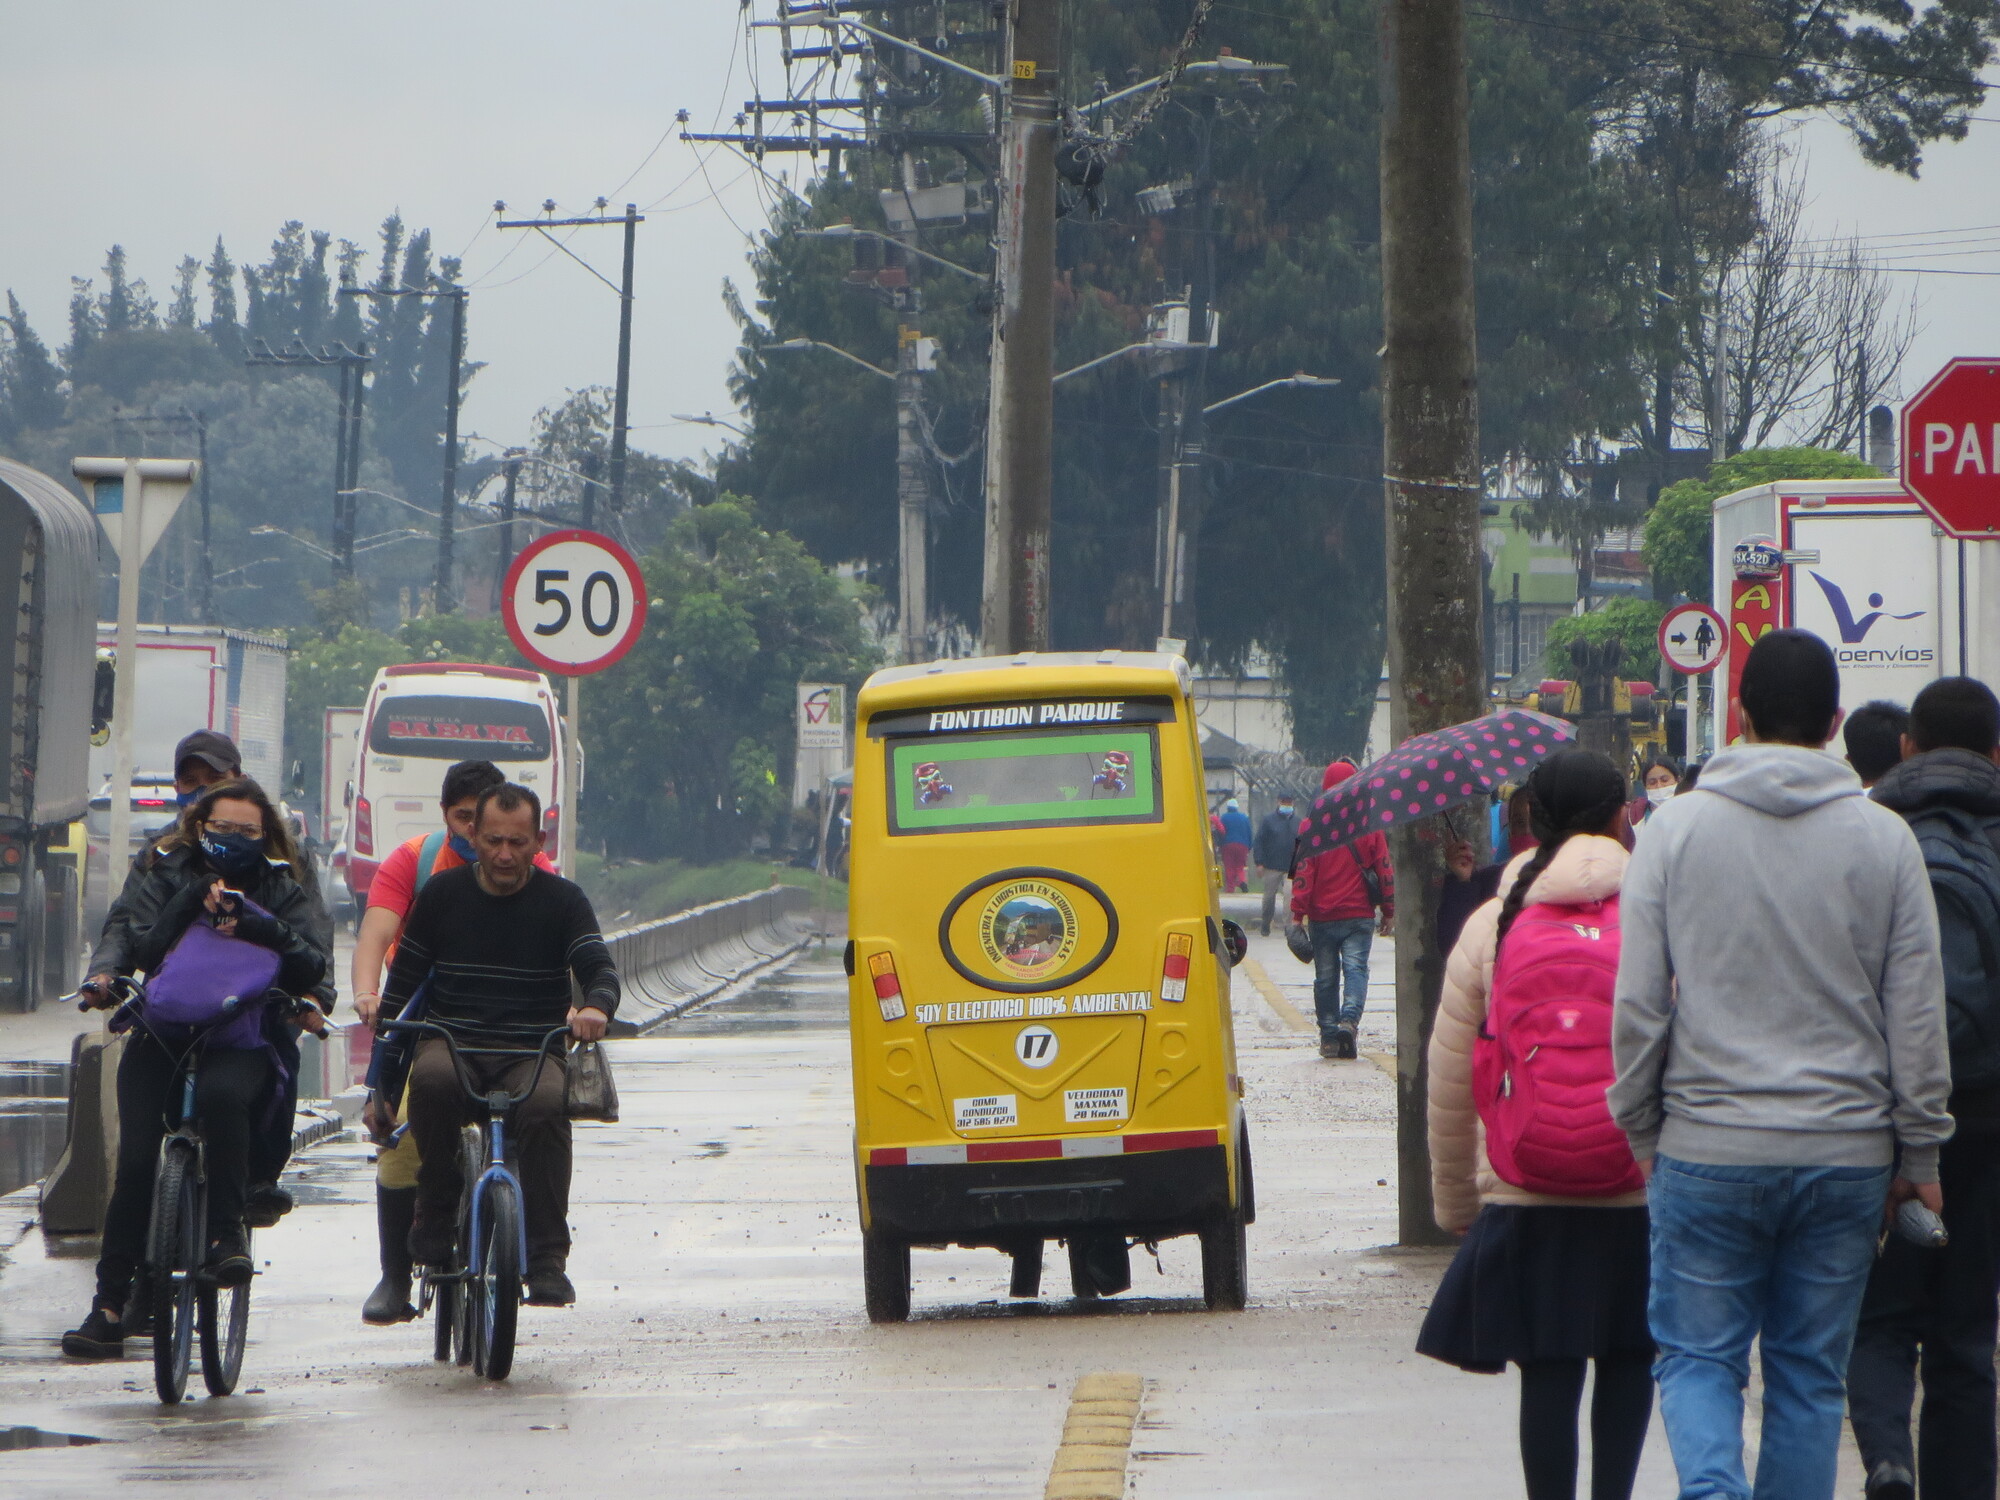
(173,1253)
(224,1323)
(496,1285)
(471,1167)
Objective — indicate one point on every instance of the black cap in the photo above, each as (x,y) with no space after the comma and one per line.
(219,750)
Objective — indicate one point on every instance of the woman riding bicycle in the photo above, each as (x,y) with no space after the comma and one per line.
(230,862)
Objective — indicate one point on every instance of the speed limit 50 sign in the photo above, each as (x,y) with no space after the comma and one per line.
(574,602)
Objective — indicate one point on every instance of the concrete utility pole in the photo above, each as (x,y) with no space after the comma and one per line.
(444,591)
(1014,612)
(1431,475)
(621,397)
(346,435)
(912,497)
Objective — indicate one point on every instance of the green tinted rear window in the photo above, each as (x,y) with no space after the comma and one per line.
(1036,779)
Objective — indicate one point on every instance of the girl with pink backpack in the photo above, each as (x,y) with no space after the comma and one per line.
(1526,1163)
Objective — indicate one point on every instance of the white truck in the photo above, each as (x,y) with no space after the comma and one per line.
(1860,564)
(204,677)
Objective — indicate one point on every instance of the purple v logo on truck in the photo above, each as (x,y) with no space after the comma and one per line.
(1851,629)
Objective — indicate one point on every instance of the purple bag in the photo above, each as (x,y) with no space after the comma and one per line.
(202,972)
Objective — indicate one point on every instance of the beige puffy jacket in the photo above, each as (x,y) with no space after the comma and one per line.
(1586,868)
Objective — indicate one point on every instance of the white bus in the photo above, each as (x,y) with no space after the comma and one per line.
(421,717)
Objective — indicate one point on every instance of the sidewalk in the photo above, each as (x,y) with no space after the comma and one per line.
(1333,1398)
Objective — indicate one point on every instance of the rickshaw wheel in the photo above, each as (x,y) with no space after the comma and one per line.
(1225,1262)
(885,1277)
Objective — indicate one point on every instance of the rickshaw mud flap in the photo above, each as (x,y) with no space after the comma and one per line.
(1173,1192)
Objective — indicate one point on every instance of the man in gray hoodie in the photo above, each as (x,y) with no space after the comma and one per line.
(1779,1035)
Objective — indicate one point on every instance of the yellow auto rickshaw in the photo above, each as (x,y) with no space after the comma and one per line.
(1039,974)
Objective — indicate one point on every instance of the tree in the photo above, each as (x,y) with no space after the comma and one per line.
(30,385)
(1636,622)
(690,736)
(1680,528)
(1812,341)
(221,325)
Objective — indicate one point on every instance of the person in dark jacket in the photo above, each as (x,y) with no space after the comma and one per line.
(1335,895)
(230,841)
(1942,1302)
(1272,849)
(202,759)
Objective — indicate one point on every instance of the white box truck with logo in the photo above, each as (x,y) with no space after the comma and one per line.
(421,717)
(1860,564)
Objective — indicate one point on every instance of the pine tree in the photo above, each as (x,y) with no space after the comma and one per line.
(30,385)
(86,323)
(182,313)
(221,323)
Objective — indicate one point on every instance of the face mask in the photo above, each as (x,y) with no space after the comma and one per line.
(1659,796)
(1284,809)
(186,799)
(462,847)
(232,854)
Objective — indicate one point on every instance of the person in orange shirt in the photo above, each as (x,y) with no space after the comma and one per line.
(390,897)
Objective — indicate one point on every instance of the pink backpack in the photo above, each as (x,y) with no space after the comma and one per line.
(1543,1059)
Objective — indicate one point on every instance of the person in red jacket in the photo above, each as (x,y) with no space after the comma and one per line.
(1332,896)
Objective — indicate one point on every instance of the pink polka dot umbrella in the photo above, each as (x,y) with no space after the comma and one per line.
(1429,773)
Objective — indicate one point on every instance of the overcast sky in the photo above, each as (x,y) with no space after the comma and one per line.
(158,127)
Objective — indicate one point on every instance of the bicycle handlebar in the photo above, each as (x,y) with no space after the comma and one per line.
(540,1052)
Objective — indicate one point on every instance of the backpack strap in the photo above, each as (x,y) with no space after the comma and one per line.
(427,858)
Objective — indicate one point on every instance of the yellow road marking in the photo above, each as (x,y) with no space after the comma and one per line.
(1275,997)
(1089,1463)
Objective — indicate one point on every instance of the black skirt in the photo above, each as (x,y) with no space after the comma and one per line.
(1542,1283)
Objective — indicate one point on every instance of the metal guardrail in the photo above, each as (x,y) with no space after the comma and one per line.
(667,967)
(677,962)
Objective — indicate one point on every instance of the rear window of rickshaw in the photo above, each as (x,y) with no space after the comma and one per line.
(1040,779)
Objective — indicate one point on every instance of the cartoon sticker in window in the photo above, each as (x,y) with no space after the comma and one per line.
(1114,776)
(932,788)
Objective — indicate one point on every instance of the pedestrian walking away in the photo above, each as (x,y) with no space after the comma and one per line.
(390,896)
(1873,737)
(1780,1040)
(229,863)
(1936,1307)
(1236,836)
(1335,896)
(500,942)
(1277,836)
(1526,1163)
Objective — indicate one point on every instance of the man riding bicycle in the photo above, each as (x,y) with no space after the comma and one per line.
(390,896)
(230,862)
(499,943)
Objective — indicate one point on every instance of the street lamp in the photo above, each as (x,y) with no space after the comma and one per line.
(853,359)
(852,232)
(710,419)
(1299,381)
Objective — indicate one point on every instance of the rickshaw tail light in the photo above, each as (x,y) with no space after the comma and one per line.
(888,988)
(1174,972)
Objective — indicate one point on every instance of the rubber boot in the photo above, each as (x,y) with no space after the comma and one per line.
(395,1212)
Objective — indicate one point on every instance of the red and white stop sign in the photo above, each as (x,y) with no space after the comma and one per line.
(1951,447)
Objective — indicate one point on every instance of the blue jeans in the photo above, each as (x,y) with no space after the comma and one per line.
(1340,949)
(1743,1252)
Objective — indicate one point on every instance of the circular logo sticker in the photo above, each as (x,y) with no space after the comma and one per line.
(1028,929)
(1036,1046)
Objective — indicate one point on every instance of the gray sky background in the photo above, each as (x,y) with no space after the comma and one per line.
(158,127)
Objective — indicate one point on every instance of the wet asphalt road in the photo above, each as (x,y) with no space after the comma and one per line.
(719,1346)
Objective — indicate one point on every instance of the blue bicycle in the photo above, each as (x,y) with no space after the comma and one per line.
(476,1300)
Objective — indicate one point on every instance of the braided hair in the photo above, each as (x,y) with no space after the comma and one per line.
(1572,792)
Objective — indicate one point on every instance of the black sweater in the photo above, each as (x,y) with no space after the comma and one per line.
(500,966)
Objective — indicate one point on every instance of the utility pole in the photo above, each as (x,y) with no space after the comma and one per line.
(621,398)
(912,496)
(513,473)
(353,365)
(1431,476)
(586,505)
(1014,613)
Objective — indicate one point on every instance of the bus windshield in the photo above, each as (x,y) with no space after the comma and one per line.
(445,727)
(1038,779)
